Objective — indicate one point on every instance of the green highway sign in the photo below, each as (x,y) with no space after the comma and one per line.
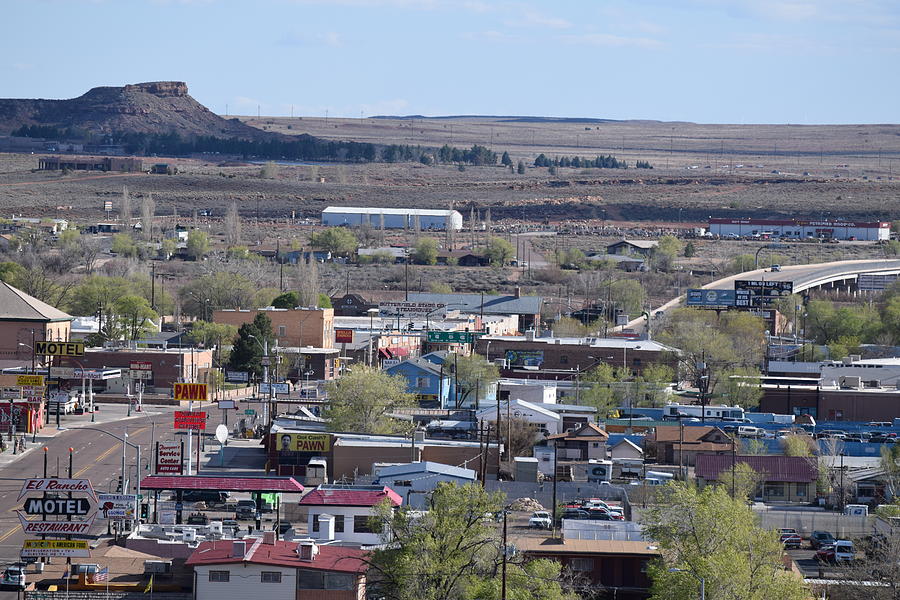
(451,337)
(249,411)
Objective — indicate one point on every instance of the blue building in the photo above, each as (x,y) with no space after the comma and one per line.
(428,381)
(414,481)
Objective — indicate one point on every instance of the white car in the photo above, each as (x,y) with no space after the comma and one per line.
(541,519)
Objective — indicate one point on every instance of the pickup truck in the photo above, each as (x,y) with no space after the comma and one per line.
(541,519)
(63,402)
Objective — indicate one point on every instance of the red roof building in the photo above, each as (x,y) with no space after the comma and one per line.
(784,478)
(252,567)
(343,513)
(355,495)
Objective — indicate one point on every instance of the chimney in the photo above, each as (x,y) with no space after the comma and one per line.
(269,538)
(238,549)
(326,527)
(307,549)
(518,292)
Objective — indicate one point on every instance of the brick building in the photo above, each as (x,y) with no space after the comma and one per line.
(296,327)
(25,320)
(168,366)
(832,403)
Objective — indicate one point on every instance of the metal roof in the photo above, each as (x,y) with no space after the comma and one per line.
(796,469)
(471,303)
(281,553)
(359,210)
(224,484)
(358,495)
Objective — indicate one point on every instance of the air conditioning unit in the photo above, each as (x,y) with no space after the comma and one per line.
(189,534)
(848,382)
(157,566)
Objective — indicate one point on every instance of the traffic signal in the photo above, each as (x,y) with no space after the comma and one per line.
(145,510)
(119,484)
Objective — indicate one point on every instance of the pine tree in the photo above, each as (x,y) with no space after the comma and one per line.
(521,168)
(506,161)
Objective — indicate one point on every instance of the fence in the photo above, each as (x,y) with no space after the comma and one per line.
(102,595)
(565,491)
(807,521)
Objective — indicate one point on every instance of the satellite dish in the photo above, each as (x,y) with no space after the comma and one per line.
(221,433)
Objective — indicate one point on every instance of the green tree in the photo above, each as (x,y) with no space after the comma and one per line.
(340,241)
(505,160)
(124,245)
(499,252)
(11,273)
(426,251)
(666,251)
(439,287)
(361,400)
(797,444)
(286,300)
(167,248)
(439,554)
(200,297)
(741,263)
(741,560)
(520,168)
(197,244)
(473,374)
(626,294)
(247,350)
(69,240)
(209,334)
(604,389)
(742,386)
(530,580)
(689,250)
(136,315)
(324,301)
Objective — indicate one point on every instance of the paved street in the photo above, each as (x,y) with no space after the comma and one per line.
(96,456)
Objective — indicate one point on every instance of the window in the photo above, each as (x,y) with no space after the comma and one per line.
(421,382)
(403,483)
(774,489)
(581,565)
(801,490)
(340,581)
(361,524)
(338,522)
(282,331)
(308,579)
(219,576)
(270,577)
(563,359)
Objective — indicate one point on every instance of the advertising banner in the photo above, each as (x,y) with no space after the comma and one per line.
(237,376)
(190,420)
(711,298)
(54,484)
(410,309)
(304,442)
(32,381)
(343,336)
(168,458)
(56,527)
(525,358)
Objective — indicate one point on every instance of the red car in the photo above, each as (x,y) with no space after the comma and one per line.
(790,538)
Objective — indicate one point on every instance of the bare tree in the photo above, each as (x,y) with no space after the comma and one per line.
(232,225)
(308,282)
(125,210)
(148,209)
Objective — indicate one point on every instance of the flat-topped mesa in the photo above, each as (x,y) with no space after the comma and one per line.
(160,88)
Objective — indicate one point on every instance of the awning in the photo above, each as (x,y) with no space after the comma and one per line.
(223,484)
(398,352)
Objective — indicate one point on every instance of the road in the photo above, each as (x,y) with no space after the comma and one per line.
(96,457)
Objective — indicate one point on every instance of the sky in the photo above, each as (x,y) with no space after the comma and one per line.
(706,61)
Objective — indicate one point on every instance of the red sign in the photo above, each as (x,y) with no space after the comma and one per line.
(168,458)
(343,336)
(141,366)
(190,420)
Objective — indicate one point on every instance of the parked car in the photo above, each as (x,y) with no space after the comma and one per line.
(210,497)
(197,518)
(776,268)
(790,538)
(13,576)
(245,509)
(575,513)
(819,539)
(541,519)
(839,551)
(231,525)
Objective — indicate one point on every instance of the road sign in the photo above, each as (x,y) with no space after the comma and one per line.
(249,412)
(54,484)
(57,506)
(237,376)
(227,404)
(10,393)
(117,506)
(190,391)
(30,380)
(451,337)
(190,420)
(137,374)
(168,458)
(277,388)
(56,527)
(70,548)
(343,336)
(59,348)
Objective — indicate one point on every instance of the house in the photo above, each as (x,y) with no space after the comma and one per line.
(784,478)
(542,420)
(25,320)
(625,449)
(584,443)
(463,258)
(618,567)
(428,381)
(276,570)
(414,481)
(869,485)
(352,507)
(621,261)
(642,247)
(391,254)
(351,305)
(680,444)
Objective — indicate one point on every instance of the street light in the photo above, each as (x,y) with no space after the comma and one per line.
(702,580)
(264,346)
(371,312)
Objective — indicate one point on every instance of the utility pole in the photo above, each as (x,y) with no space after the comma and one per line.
(503,567)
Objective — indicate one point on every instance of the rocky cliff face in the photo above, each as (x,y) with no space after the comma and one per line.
(154,107)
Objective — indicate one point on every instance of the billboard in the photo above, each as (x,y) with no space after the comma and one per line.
(525,358)
(410,309)
(169,458)
(59,348)
(237,376)
(189,391)
(304,442)
(710,298)
(117,506)
(343,336)
(30,381)
(277,388)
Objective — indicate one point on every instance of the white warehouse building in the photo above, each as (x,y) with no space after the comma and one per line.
(800,229)
(392,218)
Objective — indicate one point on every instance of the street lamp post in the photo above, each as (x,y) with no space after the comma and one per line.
(265,365)
(372,312)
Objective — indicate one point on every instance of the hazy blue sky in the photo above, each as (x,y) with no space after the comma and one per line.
(715,61)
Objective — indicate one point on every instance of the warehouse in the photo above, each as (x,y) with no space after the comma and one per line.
(800,229)
(392,218)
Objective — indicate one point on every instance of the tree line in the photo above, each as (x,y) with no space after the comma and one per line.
(600,162)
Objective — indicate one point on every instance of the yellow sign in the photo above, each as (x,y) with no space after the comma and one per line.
(59,348)
(304,442)
(190,391)
(55,544)
(30,380)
